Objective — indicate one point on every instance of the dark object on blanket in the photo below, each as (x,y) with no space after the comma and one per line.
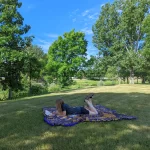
(89,96)
(104,114)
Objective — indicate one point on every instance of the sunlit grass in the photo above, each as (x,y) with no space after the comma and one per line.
(22,126)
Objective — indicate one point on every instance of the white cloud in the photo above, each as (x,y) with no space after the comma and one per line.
(44,44)
(85,13)
(87,31)
(52,35)
(102,5)
(31,6)
(73,13)
(85,24)
(74,20)
(93,16)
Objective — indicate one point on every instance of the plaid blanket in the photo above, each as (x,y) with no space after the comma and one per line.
(104,114)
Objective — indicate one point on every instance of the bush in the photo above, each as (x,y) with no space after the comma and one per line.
(109,83)
(106,83)
(3,95)
(92,84)
(38,88)
(54,87)
(100,83)
(19,94)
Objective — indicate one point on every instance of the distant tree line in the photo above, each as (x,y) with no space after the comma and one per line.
(122,36)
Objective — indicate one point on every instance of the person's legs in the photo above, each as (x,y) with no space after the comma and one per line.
(92,110)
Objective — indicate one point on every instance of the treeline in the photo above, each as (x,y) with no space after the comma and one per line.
(121,34)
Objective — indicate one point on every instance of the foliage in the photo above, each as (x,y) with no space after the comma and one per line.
(20,94)
(96,67)
(38,88)
(80,74)
(100,83)
(118,34)
(106,30)
(65,56)
(146,48)
(54,88)
(3,95)
(48,79)
(111,72)
(12,44)
(109,82)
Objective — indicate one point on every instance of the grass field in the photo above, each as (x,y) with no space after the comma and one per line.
(22,126)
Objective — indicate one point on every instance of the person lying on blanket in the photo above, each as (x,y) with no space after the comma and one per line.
(64,109)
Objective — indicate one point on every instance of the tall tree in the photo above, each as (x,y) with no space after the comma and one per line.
(133,14)
(106,36)
(96,67)
(105,30)
(146,49)
(33,63)
(118,32)
(12,44)
(66,55)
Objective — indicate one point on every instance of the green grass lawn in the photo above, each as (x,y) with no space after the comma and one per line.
(22,126)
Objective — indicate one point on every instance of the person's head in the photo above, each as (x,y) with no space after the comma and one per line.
(59,103)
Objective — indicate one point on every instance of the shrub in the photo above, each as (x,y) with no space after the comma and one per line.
(54,87)
(92,84)
(3,95)
(109,83)
(19,94)
(100,83)
(38,88)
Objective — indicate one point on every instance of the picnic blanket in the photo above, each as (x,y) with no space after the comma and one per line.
(104,114)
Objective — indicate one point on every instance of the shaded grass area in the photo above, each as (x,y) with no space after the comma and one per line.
(22,126)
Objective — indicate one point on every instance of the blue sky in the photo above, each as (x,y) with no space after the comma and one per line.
(51,18)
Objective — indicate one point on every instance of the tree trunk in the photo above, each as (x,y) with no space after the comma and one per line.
(119,80)
(124,80)
(10,93)
(30,90)
(131,76)
(10,83)
(127,80)
(143,80)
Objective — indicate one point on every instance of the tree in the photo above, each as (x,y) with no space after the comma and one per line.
(89,68)
(96,67)
(118,32)
(80,74)
(106,33)
(133,14)
(12,44)
(146,49)
(106,37)
(33,63)
(66,55)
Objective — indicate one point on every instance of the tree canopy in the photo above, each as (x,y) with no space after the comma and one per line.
(66,55)
(12,43)
(118,33)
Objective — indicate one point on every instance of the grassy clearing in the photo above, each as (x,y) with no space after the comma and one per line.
(80,84)
(22,126)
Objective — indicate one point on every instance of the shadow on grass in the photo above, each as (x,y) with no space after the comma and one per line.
(22,126)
